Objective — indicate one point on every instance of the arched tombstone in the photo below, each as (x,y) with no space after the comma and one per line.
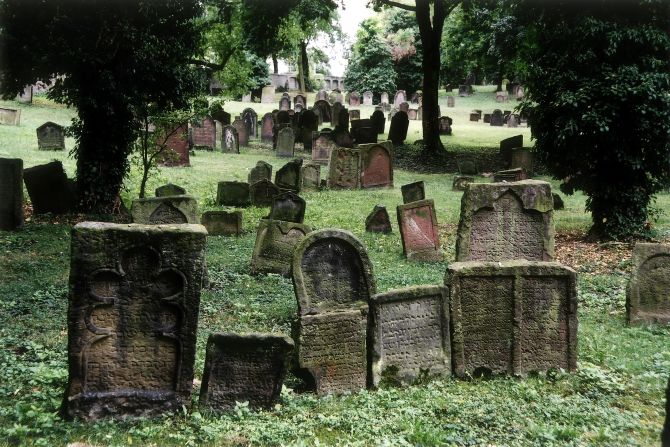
(648,296)
(230,140)
(262,171)
(367,98)
(399,98)
(309,123)
(266,127)
(384,98)
(299,107)
(337,106)
(376,165)
(321,95)
(354,99)
(399,126)
(242,134)
(325,111)
(284,103)
(300,99)
(333,282)
(250,118)
(378,121)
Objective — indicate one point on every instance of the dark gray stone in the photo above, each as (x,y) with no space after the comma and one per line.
(51,137)
(262,171)
(288,176)
(49,189)
(398,129)
(222,223)
(11,193)
(233,194)
(413,192)
(263,192)
(169,190)
(378,221)
(288,207)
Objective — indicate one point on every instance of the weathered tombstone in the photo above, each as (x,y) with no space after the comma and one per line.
(51,137)
(501,96)
(244,368)
(399,98)
(288,176)
(354,115)
(262,192)
(300,99)
(268,94)
(49,189)
(342,138)
(464,90)
(404,107)
(11,193)
(513,120)
(367,98)
(461,182)
(284,103)
(451,101)
(413,192)
(165,210)
(648,294)
(410,334)
(558,202)
(344,169)
(231,193)
(512,317)
(510,175)
(378,221)
(285,142)
(221,116)
(26,96)
(364,135)
(411,114)
(274,246)
(418,231)
(502,221)
(222,223)
(288,207)
(508,144)
(169,189)
(337,107)
(487,118)
(230,142)
(496,118)
(309,123)
(376,165)
(466,165)
(324,111)
(354,99)
(522,158)
(333,282)
(10,116)
(311,177)
(519,93)
(261,171)
(398,129)
(250,118)
(384,98)
(322,145)
(321,95)
(242,134)
(176,141)
(132,318)
(203,134)
(445,125)
(378,121)
(475,116)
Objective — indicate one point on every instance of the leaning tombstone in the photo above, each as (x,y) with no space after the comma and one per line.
(418,231)
(378,121)
(261,171)
(49,189)
(285,142)
(288,176)
(165,210)
(322,145)
(461,182)
(203,134)
(376,165)
(222,223)
(244,368)
(230,142)
(501,221)
(266,127)
(132,319)
(378,221)
(11,193)
(512,317)
(398,129)
(337,107)
(51,137)
(413,192)
(333,282)
(344,168)
(169,190)
(410,334)
(231,193)
(324,111)
(262,192)
(311,177)
(648,294)
(242,133)
(288,207)
(274,246)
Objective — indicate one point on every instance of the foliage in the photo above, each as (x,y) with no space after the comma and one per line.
(597,81)
(402,36)
(370,66)
(108,58)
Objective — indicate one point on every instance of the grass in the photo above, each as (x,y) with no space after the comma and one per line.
(616,397)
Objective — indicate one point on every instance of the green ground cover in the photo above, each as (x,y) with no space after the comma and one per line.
(616,397)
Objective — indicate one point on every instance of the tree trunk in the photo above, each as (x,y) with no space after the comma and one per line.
(275,64)
(301,75)
(305,64)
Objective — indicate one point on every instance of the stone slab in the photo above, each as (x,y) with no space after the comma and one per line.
(222,223)
(230,193)
(274,246)
(165,210)
(648,294)
(418,231)
(413,192)
(11,193)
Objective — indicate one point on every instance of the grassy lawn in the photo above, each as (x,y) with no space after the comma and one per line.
(616,397)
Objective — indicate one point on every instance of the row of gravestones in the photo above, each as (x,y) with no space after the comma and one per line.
(499,118)
(356,99)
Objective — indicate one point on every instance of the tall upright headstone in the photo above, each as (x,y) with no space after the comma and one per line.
(230,142)
(266,127)
(11,193)
(242,133)
(132,318)
(378,121)
(203,134)
(376,165)
(285,142)
(399,98)
(250,118)
(284,103)
(648,295)
(288,207)
(288,176)
(175,140)
(322,145)
(399,126)
(344,168)
(367,98)
(311,177)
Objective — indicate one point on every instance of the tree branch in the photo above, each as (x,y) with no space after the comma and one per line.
(397,5)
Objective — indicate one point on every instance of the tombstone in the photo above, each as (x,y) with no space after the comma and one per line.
(51,137)
(508,144)
(461,182)
(285,142)
(222,223)
(176,142)
(367,98)
(474,116)
(288,176)
(246,97)
(648,292)
(203,134)
(262,192)
(284,103)
(324,111)
(274,246)
(288,207)
(10,116)
(451,101)
(354,99)
(309,123)
(384,98)
(337,107)
(322,145)
(398,129)
(519,93)
(399,98)
(169,189)
(354,115)
(466,165)
(413,192)
(419,113)
(512,317)
(501,97)
(378,221)
(233,193)
(522,158)
(510,175)
(268,94)
(11,193)
(242,133)
(558,202)
(344,168)
(300,99)
(343,120)
(464,90)
(333,282)
(487,118)
(244,368)
(230,142)
(181,209)
(266,127)
(378,121)
(410,334)
(49,189)
(513,120)
(262,171)
(418,231)
(26,96)
(321,95)
(364,135)
(311,177)
(501,221)
(496,118)
(132,318)
(376,165)
(445,125)
(250,118)
(404,107)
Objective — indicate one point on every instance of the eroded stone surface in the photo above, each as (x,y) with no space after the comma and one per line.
(288,207)
(11,193)
(378,220)
(418,231)
(322,145)
(50,137)
(222,223)
(461,182)
(262,171)
(311,177)
(288,176)
(648,295)
(285,142)
(232,194)
(165,210)
(275,243)
(344,168)
(263,192)
(413,192)
(132,318)
(376,165)
(169,189)
(203,134)
(230,142)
